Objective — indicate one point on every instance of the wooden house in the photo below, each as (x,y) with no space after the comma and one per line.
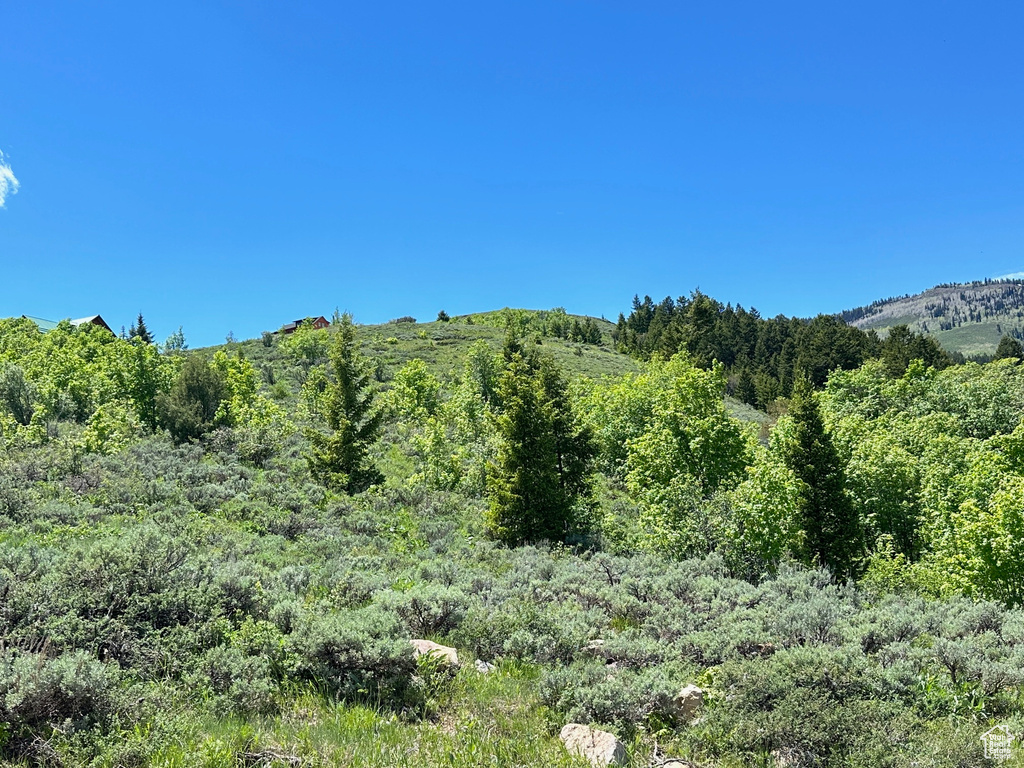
(319,323)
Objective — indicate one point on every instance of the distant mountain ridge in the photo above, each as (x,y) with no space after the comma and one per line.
(969,318)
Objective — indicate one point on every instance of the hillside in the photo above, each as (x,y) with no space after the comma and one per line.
(183,584)
(969,318)
(444,346)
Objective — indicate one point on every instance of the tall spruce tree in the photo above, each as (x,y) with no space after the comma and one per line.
(1009,347)
(140,331)
(541,473)
(832,529)
(338,459)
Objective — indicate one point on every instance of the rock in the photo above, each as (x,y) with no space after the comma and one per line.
(674,762)
(600,748)
(421,647)
(790,757)
(483,667)
(688,701)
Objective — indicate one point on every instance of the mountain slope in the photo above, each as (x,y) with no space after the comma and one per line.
(969,318)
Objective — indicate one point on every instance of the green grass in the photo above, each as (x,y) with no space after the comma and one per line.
(443,347)
(479,720)
(973,339)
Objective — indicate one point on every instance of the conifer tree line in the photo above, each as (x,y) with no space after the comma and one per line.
(764,357)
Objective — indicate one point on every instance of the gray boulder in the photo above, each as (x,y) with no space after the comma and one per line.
(599,748)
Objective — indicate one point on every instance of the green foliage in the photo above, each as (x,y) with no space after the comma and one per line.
(140,331)
(307,346)
(141,377)
(39,695)
(689,433)
(357,654)
(540,476)
(415,391)
(554,323)
(456,442)
(16,394)
(764,524)
(192,407)
(667,434)
(764,356)
(176,342)
(831,528)
(339,459)
(902,346)
(211,603)
(1009,347)
(111,428)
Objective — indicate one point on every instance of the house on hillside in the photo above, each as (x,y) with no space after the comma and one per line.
(319,323)
(49,325)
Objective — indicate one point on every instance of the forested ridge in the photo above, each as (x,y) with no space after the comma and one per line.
(764,357)
(220,556)
(969,318)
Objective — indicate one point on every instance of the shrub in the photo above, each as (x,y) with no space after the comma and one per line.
(427,609)
(242,684)
(189,410)
(358,654)
(38,695)
(599,693)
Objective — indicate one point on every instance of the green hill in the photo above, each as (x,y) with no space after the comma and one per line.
(969,318)
(444,347)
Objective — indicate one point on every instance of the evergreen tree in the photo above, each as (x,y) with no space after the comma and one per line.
(338,459)
(903,345)
(746,390)
(542,470)
(831,526)
(1009,347)
(189,410)
(140,331)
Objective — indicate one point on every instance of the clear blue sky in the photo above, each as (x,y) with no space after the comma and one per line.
(229,166)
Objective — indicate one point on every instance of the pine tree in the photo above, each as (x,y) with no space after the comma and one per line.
(746,391)
(338,459)
(831,526)
(1009,347)
(542,470)
(140,331)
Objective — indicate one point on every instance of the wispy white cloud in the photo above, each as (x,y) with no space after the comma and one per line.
(8,182)
(1011,276)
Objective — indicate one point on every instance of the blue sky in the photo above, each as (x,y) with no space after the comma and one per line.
(229,166)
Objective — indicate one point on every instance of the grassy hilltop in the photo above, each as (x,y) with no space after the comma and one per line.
(443,345)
